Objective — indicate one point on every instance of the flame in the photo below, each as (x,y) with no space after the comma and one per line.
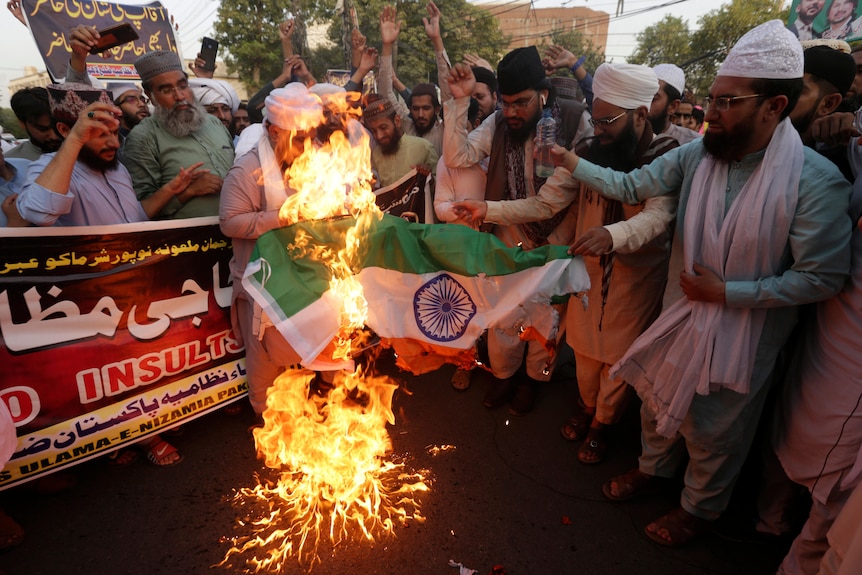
(336,478)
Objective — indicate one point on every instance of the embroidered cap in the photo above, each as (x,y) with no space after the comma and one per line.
(769,51)
(157,62)
(672,75)
(67,101)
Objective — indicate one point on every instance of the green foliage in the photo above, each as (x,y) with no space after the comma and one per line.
(579,45)
(10,123)
(465,28)
(666,41)
(700,53)
(247,32)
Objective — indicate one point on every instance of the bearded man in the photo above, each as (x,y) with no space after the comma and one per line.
(396,153)
(83,184)
(507,139)
(763,228)
(180,132)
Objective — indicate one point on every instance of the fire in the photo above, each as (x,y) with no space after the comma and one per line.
(335,479)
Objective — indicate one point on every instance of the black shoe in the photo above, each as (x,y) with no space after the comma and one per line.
(500,393)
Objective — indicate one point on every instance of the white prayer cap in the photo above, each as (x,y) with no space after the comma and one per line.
(323,89)
(769,51)
(209,92)
(628,86)
(671,74)
(120,89)
(839,45)
(293,108)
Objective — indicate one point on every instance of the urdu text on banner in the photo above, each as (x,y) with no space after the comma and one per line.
(111,334)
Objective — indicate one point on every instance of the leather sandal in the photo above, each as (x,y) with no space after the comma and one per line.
(630,485)
(677,528)
(575,429)
(593,448)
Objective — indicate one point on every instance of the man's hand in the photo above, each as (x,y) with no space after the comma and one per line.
(704,286)
(557,57)
(471,212)
(390,27)
(83,38)
(476,61)
(286,29)
(14,7)
(369,60)
(203,183)
(835,129)
(461,80)
(198,68)
(593,242)
(184,178)
(357,47)
(300,70)
(432,22)
(96,120)
(13,218)
(565,158)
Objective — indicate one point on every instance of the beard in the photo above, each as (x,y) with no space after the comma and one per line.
(526,129)
(95,162)
(391,148)
(802,124)
(619,154)
(659,123)
(422,130)
(725,146)
(179,123)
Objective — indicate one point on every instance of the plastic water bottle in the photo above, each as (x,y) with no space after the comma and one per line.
(546,136)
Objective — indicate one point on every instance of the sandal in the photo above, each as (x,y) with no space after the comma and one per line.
(575,429)
(461,379)
(122,457)
(11,534)
(677,528)
(594,447)
(161,453)
(629,485)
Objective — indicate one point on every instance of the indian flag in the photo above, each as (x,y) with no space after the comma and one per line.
(431,289)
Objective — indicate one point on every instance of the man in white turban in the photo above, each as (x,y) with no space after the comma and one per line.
(762,228)
(218,97)
(253,192)
(626,249)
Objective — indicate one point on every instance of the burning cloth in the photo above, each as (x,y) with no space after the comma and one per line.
(431,290)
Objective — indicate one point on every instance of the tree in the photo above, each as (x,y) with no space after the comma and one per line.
(700,53)
(718,31)
(247,32)
(465,28)
(666,41)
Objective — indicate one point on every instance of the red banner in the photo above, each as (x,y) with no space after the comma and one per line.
(110,334)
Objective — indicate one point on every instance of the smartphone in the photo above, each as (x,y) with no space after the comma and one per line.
(209,49)
(113,37)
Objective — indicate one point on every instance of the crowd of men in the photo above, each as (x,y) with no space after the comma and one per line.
(705,236)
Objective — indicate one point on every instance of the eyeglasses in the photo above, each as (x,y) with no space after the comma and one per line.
(723,104)
(605,122)
(135,100)
(168,90)
(519,105)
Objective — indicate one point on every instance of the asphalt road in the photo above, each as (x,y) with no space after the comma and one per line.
(511,493)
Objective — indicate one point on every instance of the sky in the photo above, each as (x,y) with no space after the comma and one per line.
(196,18)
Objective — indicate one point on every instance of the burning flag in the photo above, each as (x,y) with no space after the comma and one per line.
(431,290)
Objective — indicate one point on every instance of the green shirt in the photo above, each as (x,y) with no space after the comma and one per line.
(154,157)
(412,151)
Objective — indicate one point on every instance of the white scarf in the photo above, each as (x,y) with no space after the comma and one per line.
(702,347)
(273,175)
